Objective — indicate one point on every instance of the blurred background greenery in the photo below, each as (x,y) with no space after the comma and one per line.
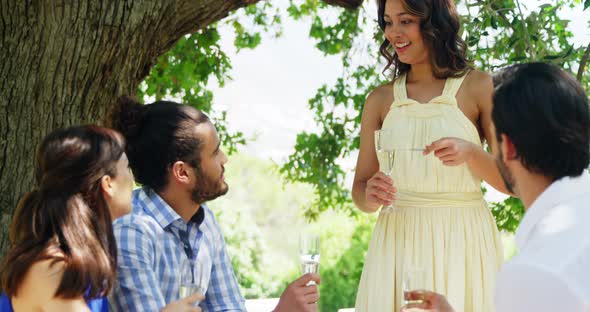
(262,217)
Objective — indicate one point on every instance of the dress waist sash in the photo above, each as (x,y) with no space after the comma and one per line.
(407,199)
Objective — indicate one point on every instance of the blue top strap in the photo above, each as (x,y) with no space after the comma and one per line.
(95,305)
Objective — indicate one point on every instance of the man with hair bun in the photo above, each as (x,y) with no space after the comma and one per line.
(174,153)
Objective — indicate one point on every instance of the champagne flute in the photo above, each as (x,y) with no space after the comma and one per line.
(413,280)
(191,278)
(309,253)
(385,156)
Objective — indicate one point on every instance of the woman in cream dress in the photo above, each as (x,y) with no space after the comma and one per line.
(440,222)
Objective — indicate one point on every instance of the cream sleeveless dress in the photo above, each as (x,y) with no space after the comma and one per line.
(441,223)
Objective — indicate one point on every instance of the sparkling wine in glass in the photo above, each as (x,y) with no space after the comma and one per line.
(385,156)
(191,278)
(413,280)
(309,253)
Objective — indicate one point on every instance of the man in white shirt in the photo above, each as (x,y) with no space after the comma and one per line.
(542,125)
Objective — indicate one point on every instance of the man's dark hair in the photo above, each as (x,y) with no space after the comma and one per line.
(544,111)
(158,135)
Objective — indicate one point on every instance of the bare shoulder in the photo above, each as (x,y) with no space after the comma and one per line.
(480,86)
(379,100)
(477,79)
(48,268)
(39,284)
(383,94)
(37,291)
(45,275)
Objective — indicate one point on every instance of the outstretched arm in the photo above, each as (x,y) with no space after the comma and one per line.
(455,151)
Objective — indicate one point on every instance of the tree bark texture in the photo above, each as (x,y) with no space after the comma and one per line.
(66,62)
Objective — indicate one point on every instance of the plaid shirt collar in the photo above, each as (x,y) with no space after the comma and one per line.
(155,206)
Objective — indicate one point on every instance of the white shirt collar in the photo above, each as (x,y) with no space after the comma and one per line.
(559,191)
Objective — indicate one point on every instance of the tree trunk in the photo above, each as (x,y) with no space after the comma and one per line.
(65,63)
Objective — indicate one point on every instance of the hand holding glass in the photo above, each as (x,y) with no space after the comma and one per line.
(413,280)
(191,278)
(385,156)
(309,253)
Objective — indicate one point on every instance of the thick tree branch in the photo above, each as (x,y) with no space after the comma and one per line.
(188,16)
(67,62)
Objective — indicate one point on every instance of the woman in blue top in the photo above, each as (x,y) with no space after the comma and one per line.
(63,254)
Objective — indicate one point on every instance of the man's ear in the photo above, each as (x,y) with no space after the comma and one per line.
(106,183)
(508,149)
(180,172)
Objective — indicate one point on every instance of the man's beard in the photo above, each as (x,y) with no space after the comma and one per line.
(208,188)
(505,172)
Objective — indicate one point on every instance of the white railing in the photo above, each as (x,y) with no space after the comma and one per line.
(267,305)
(261,305)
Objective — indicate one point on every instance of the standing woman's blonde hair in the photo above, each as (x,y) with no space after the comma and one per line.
(65,217)
(439,25)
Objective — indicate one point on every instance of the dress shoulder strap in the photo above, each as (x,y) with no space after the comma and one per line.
(452,85)
(399,88)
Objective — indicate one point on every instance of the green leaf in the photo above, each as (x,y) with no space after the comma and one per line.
(551,57)
(545,6)
(518,58)
(568,52)
(494,22)
(473,40)
(198,60)
(247,40)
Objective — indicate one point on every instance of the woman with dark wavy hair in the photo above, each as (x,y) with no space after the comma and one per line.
(63,254)
(437,113)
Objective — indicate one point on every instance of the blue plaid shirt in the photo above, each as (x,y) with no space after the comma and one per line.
(153,240)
